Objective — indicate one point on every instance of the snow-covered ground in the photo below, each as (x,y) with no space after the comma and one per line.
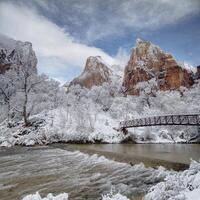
(48,130)
(179,186)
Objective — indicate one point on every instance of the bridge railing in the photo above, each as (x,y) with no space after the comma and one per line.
(189,119)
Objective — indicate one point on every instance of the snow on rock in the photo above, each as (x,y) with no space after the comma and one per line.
(188,67)
(20,135)
(96,72)
(64,196)
(148,61)
(5,144)
(152,50)
(178,186)
(36,196)
(14,53)
(111,196)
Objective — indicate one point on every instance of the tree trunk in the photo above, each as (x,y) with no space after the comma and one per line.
(25,116)
(8,115)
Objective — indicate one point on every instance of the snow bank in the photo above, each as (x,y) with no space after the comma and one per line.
(192,195)
(178,186)
(58,128)
(36,196)
(111,196)
(64,196)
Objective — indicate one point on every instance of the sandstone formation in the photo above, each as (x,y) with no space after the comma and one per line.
(149,62)
(96,72)
(14,54)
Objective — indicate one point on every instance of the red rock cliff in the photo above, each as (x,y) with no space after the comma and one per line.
(148,62)
(96,72)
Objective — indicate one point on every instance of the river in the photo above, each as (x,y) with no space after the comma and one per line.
(61,168)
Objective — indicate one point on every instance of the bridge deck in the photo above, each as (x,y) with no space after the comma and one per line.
(189,120)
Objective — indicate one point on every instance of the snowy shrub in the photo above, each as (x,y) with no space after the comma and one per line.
(178,185)
(112,196)
(163,133)
(147,135)
(64,196)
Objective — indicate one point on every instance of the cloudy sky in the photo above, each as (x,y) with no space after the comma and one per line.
(65,32)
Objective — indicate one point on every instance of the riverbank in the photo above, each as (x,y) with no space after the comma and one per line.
(42,130)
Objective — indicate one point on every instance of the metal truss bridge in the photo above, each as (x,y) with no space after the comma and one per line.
(185,119)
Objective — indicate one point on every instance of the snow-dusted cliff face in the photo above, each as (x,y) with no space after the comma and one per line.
(14,54)
(149,62)
(197,75)
(96,72)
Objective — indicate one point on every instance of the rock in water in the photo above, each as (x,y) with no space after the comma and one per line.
(148,62)
(14,54)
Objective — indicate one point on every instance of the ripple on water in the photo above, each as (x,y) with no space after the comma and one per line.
(82,176)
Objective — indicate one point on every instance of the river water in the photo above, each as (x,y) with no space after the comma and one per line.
(56,169)
(171,153)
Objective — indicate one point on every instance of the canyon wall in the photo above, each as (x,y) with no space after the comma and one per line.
(148,62)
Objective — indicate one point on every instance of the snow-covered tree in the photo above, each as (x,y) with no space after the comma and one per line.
(7,90)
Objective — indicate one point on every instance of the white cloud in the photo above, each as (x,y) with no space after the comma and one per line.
(55,49)
(138,15)
(122,57)
(59,52)
(97,19)
(154,14)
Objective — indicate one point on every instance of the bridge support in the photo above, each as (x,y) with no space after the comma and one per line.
(124,131)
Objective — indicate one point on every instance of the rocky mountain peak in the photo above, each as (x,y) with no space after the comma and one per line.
(16,53)
(145,50)
(94,63)
(96,72)
(148,61)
